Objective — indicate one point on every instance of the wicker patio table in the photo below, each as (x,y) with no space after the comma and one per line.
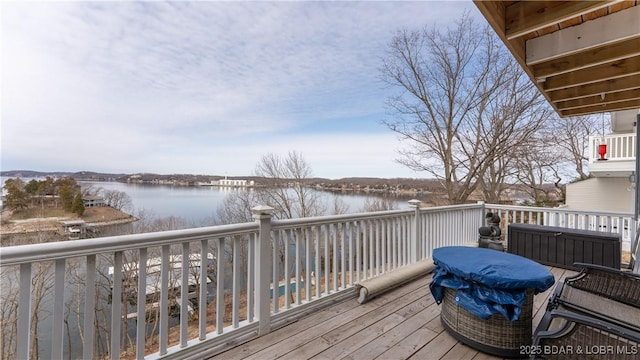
(487,297)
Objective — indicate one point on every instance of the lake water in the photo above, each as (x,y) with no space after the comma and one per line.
(194,204)
(199,203)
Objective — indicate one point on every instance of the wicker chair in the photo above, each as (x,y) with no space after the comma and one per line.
(598,310)
(576,336)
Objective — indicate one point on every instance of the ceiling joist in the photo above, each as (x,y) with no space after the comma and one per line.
(609,86)
(528,16)
(624,105)
(609,98)
(588,35)
(584,56)
(592,57)
(608,71)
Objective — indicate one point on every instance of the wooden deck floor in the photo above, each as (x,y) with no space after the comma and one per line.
(402,324)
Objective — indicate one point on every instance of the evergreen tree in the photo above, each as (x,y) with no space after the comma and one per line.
(66,197)
(32,187)
(16,197)
(78,205)
(67,188)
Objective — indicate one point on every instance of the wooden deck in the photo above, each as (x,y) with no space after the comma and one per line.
(402,324)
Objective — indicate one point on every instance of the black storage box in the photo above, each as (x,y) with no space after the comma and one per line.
(562,247)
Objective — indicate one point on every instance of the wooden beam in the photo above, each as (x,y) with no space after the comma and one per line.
(608,71)
(621,84)
(588,58)
(615,97)
(494,12)
(591,34)
(631,104)
(527,16)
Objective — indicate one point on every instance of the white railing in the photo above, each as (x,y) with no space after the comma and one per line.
(620,147)
(619,223)
(96,289)
(250,277)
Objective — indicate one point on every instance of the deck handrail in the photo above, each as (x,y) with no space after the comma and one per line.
(622,223)
(18,254)
(317,259)
(332,252)
(620,147)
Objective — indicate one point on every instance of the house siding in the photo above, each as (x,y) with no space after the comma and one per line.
(601,194)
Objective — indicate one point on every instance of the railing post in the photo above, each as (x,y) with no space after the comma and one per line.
(483,216)
(484,209)
(262,214)
(415,234)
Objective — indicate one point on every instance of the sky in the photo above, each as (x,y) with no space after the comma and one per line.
(203,87)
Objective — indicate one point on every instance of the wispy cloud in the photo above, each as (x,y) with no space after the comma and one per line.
(189,86)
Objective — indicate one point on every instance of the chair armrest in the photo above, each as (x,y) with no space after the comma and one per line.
(610,283)
(581,332)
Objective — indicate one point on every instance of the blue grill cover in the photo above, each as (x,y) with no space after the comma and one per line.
(488,282)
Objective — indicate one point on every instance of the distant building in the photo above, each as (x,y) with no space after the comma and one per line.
(93,201)
(235,182)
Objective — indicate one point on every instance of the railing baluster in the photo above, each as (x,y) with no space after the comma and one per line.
(327,260)
(334,236)
(202,299)
(298,260)
(383,245)
(23,337)
(373,251)
(251,245)
(220,287)
(403,240)
(116,305)
(343,256)
(394,246)
(366,251)
(378,254)
(307,275)
(164,299)
(235,318)
(275,260)
(141,305)
(89,308)
(184,295)
(426,247)
(57,325)
(287,276)
(352,259)
(317,270)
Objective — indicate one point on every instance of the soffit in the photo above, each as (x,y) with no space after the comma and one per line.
(584,56)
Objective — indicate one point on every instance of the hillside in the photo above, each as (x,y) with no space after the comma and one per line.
(191,179)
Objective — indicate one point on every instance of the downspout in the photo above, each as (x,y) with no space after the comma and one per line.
(635,249)
(635,175)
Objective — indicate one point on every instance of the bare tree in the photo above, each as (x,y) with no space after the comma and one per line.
(8,311)
(462,103)
(338,206)
(236,207)
(378,204)
(286,189)
(571,138)
(538,169)
(118,200)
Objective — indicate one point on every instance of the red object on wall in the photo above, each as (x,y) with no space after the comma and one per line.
(602,151)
